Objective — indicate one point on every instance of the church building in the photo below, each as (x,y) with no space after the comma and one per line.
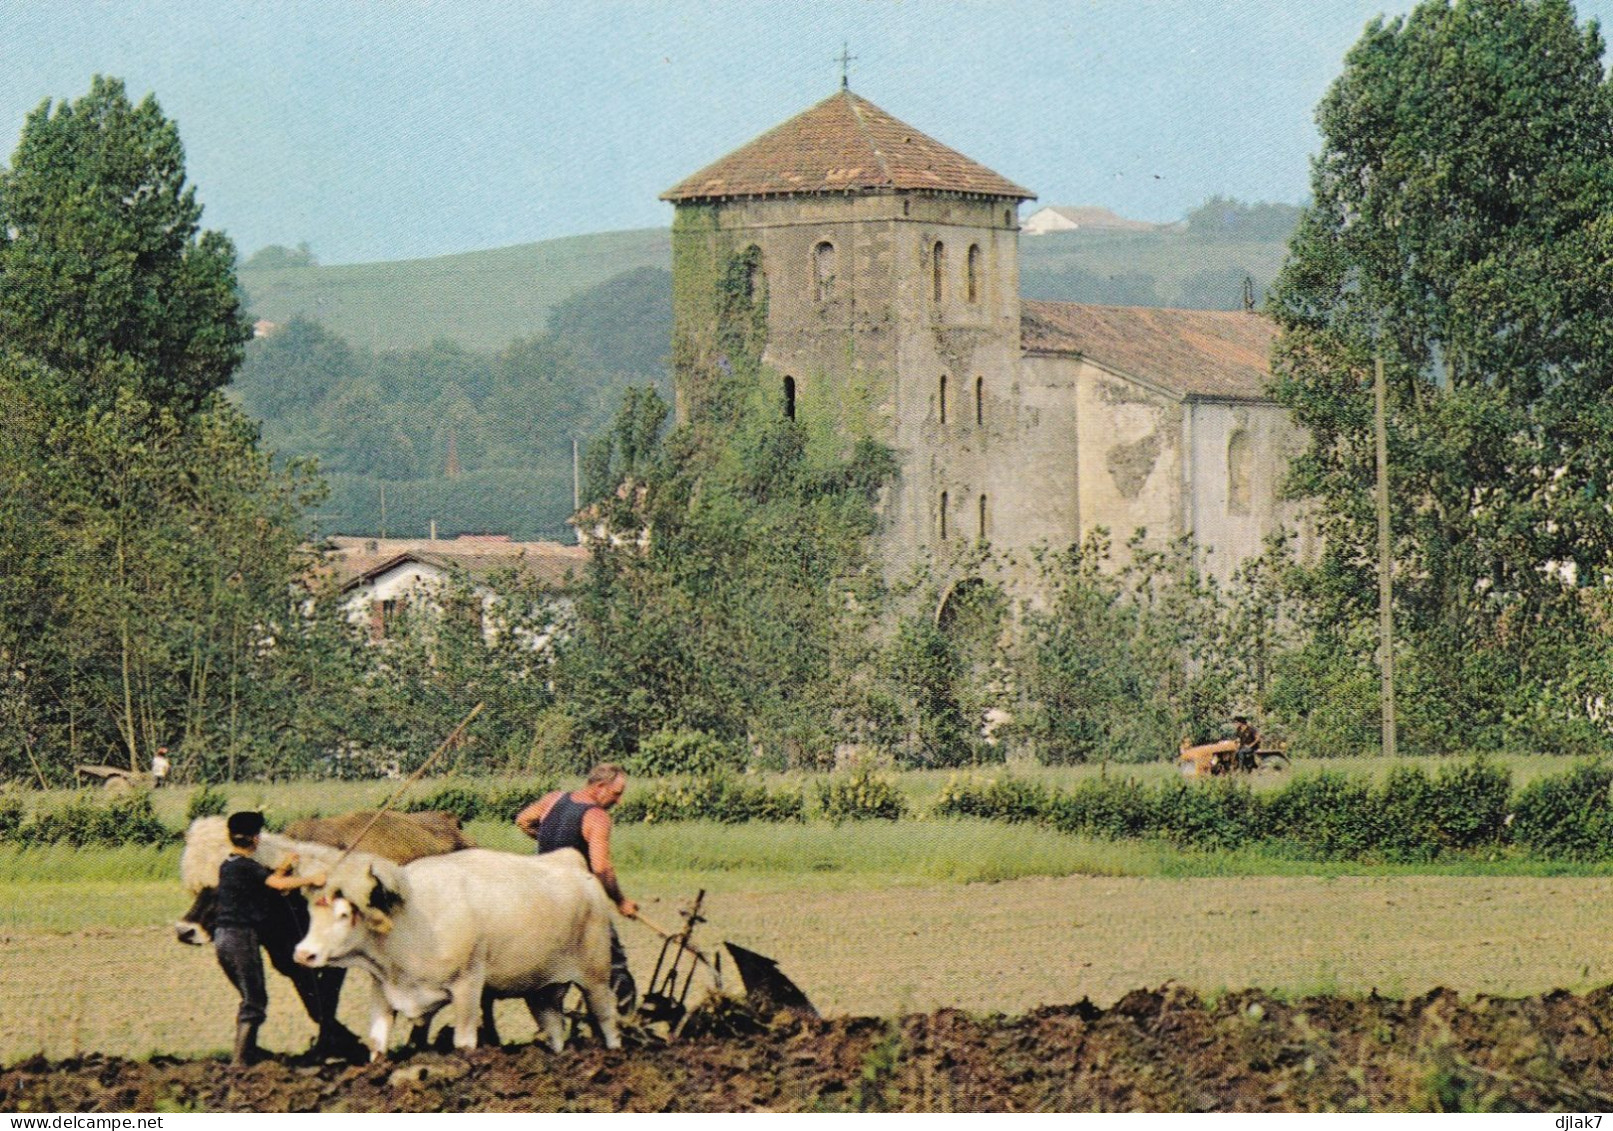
(885,268)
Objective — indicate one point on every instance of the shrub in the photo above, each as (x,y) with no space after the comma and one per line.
(1473,801)
(717,797)
(11,814)
(207,801)
(861,795)
(1103,807)
(504,802)
(669,752)
(1221,815)
(88,821)
(1009,800)
(1328,815)
(463,801)
(1567,814)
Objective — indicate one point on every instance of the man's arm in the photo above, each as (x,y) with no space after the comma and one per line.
(528,819)
(596,825)
(281,878)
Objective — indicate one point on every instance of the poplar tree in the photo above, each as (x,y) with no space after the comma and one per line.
(105,273)
(1461,226)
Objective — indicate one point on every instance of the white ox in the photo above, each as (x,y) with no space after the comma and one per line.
(434,933)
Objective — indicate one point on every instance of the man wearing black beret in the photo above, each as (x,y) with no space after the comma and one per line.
(244,894)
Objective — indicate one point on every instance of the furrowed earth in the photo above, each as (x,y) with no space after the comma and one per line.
(1154,1050)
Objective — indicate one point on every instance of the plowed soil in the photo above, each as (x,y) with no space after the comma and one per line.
(1153,1050)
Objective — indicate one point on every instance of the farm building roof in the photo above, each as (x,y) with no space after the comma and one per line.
(1203,353)
(844,144)
(347,560)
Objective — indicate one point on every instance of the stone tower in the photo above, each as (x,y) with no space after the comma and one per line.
(876,272)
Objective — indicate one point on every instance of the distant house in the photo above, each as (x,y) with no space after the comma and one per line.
(379,579)
(1087,218)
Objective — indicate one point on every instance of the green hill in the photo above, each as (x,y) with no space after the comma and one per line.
(481,300)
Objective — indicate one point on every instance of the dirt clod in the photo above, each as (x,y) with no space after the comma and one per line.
(1156,1050)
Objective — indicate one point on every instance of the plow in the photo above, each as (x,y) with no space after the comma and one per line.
(753,978)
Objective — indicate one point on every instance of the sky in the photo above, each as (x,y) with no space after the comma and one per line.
(397,129)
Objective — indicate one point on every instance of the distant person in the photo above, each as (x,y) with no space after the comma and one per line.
(1248,742)
(580,819)
(245,901)
(160,767)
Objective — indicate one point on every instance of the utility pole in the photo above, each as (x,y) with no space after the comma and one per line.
(576,479)
(1386,620)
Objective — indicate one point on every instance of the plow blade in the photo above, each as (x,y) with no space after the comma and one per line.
(766,986)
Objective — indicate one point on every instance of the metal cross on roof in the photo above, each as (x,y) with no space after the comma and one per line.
(845,59)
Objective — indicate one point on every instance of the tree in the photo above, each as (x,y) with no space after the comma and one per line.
(1461,227)
(105,274)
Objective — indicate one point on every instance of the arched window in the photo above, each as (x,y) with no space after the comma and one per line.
(1008,217)
(1239,473)
(938,271)
(823,269)
(941,400)
(973,268)
(982,534)
(755,281)
(789,398)
(980,401)
(943,516)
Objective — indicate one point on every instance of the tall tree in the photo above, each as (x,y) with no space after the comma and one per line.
(1462,227)
(105,273)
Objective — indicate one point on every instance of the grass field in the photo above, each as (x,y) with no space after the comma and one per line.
(479,299)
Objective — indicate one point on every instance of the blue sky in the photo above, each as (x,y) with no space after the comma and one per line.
(390,129)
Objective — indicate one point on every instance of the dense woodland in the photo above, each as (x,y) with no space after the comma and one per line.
(155,517)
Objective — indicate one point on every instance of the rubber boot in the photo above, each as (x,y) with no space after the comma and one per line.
(246,1044)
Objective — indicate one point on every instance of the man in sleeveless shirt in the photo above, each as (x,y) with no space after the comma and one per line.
(580,819)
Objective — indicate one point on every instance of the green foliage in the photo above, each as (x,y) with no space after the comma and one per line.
(1224,218)
(105,273)
(693,752)
(473,440)
(998,799)
(721,797)
(148,544)
(1567,815)
(861,795)
(91,820)
(208,801)
(278,256)
(1409,817)
(1475,261)
(728,623)
(469,803)
(12,812)
(1122,664)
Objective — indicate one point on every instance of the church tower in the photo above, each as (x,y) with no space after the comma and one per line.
(874,272)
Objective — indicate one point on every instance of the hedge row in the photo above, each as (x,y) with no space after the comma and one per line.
(1408,817)
(86,820)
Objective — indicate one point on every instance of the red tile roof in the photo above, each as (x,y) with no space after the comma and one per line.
(349,559)
(844,144)
(1212,353)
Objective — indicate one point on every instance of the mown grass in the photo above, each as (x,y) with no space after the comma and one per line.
(57,888)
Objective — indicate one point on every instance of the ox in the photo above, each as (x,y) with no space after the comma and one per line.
(320,842)
(436,933)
